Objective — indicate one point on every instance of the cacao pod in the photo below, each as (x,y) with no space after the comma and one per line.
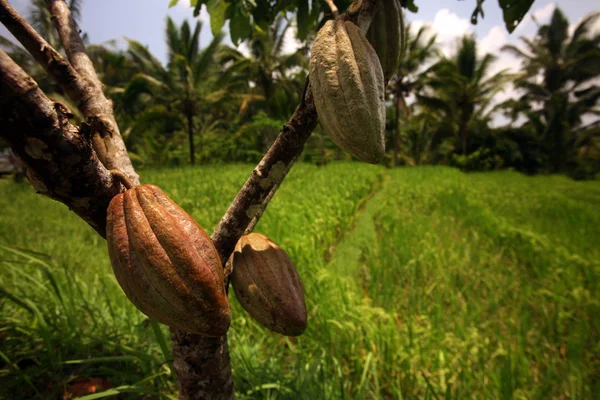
(385,35)
(165,263)
(347,85)
(267,285)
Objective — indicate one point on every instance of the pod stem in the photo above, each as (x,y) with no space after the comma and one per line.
(334,9)
(122,178)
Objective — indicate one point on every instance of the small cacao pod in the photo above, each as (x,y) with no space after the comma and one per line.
(347,85)
(385,35)
(165,263)
(267,285)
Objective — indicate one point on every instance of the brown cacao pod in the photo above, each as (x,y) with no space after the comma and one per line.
(267,285)
(347,84)
(385,35)
(165,263)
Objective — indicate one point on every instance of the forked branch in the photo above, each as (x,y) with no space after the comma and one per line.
(50,59)
(63,166)
(95,106)
(201,370)
(59,158)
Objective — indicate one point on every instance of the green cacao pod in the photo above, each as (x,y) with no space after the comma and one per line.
(385,35)
(347,85)
(267,285)
(165,263)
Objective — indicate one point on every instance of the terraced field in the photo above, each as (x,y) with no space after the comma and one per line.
(420,283)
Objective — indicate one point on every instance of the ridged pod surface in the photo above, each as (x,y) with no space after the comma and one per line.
(267,285)
(347,84)
(385,35)
(165,263)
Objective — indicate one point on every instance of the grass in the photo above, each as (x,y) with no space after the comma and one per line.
(420,283)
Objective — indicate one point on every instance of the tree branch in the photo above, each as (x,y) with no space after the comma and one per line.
(54,63)
(202,363)
(251,199)
(59,158)
(106,138)
(62,165)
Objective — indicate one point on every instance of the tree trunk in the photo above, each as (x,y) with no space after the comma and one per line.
(400,104)
(190,123)
(463,131)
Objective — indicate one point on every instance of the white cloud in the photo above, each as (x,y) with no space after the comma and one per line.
(290,43)
(493,41)
(595,27)
(543,14)
(448,27)
(185,7)
(244,49)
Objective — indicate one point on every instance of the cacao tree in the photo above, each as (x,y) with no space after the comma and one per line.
(87,167)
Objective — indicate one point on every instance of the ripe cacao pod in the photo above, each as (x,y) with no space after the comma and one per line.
(267,285)
(347,85)
(385,35)
(165,263)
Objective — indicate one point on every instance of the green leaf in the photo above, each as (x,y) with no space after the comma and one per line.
(162,341)
(410,5)
(514,11)
(478,12)
(218,11)
(302,19)
(239,26)
(173,3)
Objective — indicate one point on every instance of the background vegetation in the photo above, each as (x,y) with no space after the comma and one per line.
(215,104)
(421,282)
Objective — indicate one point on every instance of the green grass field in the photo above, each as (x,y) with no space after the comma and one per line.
(421,283)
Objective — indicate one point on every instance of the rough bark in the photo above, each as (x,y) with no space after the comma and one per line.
(196,377)
(60,161)
(190,123)
(271,170)
(50,59)
(106,137)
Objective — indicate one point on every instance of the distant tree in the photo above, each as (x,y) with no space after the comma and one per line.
(41,20)
(184,89)
(409,78)
(559,82)
(462,88)
(276,78)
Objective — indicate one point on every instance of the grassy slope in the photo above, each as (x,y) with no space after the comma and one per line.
(420,282)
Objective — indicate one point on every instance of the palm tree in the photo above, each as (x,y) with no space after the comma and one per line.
(558,76)
(462,89)
(185,89)
(409,77)
(267,65)
(41,20)
(276,79)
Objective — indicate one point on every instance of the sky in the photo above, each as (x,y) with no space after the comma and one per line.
(144,21)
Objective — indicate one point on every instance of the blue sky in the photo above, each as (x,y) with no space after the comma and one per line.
(144,21)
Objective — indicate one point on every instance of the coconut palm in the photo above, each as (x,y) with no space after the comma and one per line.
(409,78)
(183,94)
(41,20)
(278,77)
(462,89)
(560,71)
